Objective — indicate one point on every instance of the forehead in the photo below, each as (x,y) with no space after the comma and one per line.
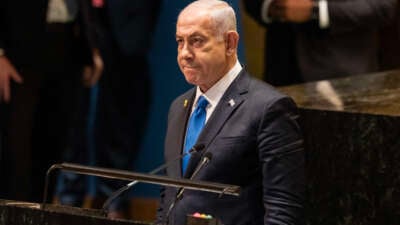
(190,24)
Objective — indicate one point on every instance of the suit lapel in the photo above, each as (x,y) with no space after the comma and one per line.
(230,101)
(182,115)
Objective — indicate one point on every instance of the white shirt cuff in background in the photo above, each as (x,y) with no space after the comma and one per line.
(323,14)
(264,11)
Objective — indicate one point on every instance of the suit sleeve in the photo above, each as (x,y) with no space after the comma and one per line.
(347,16)
(253,8)
(2,13)
(344,16)
(133,23)
(282,157)
(87,24)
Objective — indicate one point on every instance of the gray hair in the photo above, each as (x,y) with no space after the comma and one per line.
(221,13)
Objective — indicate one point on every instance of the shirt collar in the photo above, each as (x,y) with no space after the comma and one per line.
(214,94)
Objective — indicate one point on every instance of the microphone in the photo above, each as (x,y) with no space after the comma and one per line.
(205,160)
(195,148)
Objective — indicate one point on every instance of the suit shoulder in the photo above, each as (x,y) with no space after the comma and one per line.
(181,98)
(264,92)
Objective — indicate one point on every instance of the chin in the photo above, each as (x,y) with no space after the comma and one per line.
(191,78)
(192,81)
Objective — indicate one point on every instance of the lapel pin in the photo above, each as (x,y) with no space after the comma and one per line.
(185,103)
(231,102)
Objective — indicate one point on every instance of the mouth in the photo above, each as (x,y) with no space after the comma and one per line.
(189,68)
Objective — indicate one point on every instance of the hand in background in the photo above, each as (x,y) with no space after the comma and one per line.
(7,73)
(296,11)
(91,74)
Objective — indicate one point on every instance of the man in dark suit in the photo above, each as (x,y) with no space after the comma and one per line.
(42,54)
(125,30)
(309,40)
(249,128)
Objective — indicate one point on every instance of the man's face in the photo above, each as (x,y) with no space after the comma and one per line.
(201,55)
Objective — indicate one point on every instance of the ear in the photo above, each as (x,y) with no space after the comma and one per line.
(231,42)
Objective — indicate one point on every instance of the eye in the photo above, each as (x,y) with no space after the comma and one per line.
(197,42)
(179,41)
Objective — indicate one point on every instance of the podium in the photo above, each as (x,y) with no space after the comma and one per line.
(222,189)
(351,131)
(26,213)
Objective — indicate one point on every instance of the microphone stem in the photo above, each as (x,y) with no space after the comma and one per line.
(154,171)
(113,196)
(179,195)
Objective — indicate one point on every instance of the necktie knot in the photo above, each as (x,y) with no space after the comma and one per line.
(202,103)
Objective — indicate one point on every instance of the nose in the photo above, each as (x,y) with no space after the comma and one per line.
(185,52)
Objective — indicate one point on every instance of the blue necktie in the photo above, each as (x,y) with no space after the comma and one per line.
(195,125)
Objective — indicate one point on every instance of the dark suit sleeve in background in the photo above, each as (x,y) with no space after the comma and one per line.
(347,16)
(2,25)
(88,23)
(130,18)
(253,7)
(344,16)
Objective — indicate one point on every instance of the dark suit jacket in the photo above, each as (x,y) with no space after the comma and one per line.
(296,52)
(255,143)
(29,42)
(132,24)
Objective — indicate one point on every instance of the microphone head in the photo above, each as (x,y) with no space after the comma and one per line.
(207,156)
(197,148)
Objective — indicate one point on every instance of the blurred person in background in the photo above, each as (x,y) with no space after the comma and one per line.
(118,106)
(308,40)
(44,46)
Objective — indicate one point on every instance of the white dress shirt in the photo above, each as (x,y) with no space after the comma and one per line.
(215,93)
